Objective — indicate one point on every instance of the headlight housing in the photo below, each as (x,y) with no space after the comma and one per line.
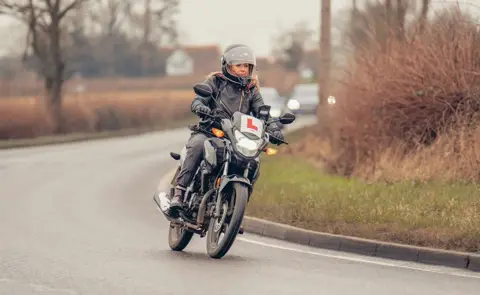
(245,145)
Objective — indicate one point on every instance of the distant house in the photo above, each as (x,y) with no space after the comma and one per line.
(190,60)
(179,63)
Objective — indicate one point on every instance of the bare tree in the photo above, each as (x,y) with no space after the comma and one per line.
(110,19)
(158,25)
(110,15)
(378,23)
(44,19)
(163,23)
(290,45)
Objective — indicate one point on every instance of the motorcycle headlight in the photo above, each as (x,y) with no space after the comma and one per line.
(245,145)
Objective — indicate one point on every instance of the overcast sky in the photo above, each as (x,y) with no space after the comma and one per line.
(222,22)
(254,22)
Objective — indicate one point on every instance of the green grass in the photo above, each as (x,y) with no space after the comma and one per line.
(292,191)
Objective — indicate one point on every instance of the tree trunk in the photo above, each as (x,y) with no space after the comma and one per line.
(388,15)
(147,32)
(54,77)
(53,103)
(389,33)
(402,6)
(423,14)
(325,58)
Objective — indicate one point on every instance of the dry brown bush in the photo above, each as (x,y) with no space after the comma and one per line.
(410,111)
(25,117)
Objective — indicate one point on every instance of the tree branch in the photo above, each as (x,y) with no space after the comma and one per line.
(49,4)
(69,7)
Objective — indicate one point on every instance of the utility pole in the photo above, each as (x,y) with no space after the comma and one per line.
(147,32)
(325,54)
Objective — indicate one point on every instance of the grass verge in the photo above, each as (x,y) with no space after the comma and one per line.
(293,191)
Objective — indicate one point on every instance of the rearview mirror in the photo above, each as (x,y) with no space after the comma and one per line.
(203,89)
(287,118)
(264,112)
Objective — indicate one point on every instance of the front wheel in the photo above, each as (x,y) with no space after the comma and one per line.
(215,248)
(178,237)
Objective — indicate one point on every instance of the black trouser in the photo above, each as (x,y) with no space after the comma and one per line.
(192,160)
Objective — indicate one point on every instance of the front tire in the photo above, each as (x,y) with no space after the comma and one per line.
(178,237)
(214,248)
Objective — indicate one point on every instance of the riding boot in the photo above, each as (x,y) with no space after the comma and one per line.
(177,200)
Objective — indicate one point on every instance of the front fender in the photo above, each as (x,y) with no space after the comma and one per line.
(226,180)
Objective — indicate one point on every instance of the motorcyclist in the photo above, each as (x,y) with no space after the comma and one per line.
(236,87)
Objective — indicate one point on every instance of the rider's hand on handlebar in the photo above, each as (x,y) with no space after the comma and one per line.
(202,110)
(220,114)
(278,134)
(276,137)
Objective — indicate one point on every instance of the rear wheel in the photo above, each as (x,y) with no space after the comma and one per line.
(227,225)
(178,237)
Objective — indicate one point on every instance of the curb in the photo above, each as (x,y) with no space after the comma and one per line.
(361,246)
(463,260)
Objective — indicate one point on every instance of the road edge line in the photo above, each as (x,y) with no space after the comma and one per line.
(365,247)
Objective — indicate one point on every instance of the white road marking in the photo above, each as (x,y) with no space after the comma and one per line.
(420,267)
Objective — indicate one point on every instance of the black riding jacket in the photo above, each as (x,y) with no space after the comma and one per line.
(230,95)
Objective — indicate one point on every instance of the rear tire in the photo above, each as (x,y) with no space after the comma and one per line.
(218,250)
(178,237)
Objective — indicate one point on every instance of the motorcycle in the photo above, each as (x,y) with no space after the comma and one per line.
(216,199)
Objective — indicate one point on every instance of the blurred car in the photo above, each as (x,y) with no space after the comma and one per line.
(278,103)
(304,99)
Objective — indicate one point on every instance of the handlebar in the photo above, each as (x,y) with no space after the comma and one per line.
(278,139)
(218,116)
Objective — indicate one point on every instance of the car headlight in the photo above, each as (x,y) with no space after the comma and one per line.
(293,104)
(331,100)
(245,145)
(275,112)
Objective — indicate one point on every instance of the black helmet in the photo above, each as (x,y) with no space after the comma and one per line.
(238,54)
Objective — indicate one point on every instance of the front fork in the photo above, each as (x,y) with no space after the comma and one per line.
(219,195)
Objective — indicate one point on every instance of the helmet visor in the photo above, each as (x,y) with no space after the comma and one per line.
(240,55)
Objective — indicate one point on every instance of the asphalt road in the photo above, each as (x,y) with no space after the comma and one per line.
(79,219)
